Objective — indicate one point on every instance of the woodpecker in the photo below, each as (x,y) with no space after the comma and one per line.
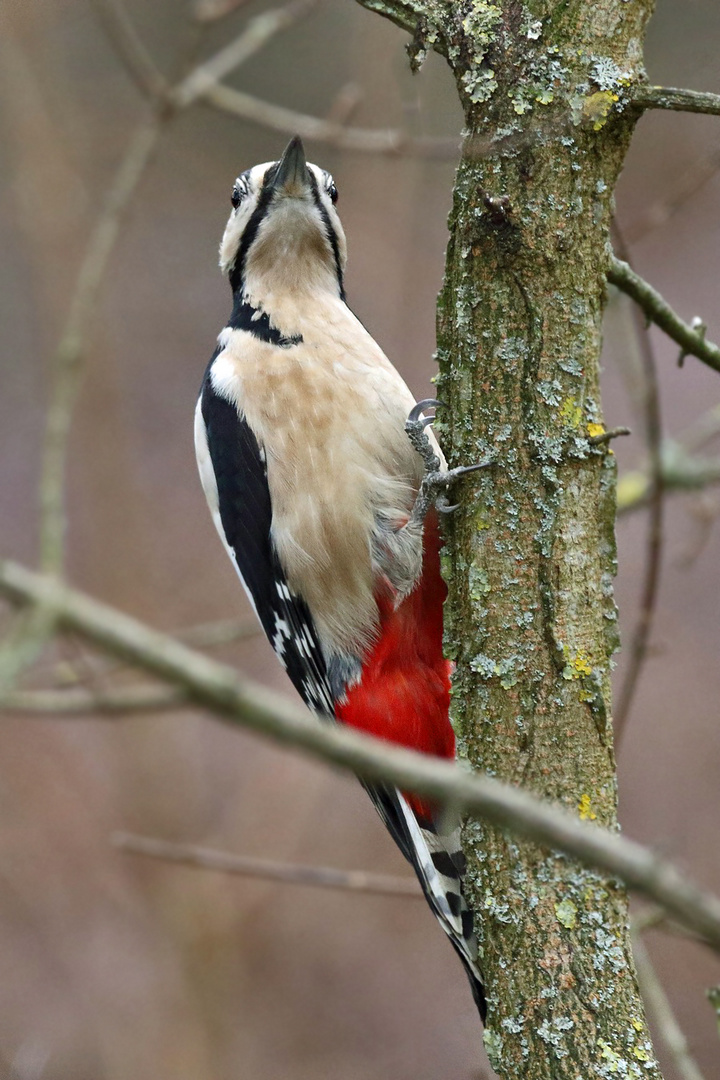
(323,480)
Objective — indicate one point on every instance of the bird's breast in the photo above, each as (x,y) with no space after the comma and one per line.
(329,414)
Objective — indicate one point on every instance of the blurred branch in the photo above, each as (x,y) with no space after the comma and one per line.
(255,35)
(661,1011)
(650,403)
(135,57)
(680,472)
(213,10)
(324,877)
(69,355)
(289,122)
(671,97)
(703,430)
(76,701)
(220,632)
(713,996)
(691,341)
(692,181)
(204,83)
(219,689)
(29,636)
(345,103)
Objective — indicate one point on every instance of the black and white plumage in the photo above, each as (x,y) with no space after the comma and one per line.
(311,481)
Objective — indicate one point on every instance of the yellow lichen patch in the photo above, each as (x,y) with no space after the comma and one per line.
(594,430)
(586,811)
(641,1054)
(566,913)
(596,108)
(609,1055)
(637,1024)
(577,666)
(571,412)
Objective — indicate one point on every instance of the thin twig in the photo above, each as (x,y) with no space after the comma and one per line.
(638,650)
(645,96)
(609,435)
(222,691)
(661,1010)
(313,128)
(324,877)
(652,303)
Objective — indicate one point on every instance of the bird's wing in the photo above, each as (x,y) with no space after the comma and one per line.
(234,475)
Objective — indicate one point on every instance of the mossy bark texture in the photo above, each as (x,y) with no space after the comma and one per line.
(531,622)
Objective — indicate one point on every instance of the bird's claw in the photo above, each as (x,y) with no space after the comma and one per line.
(426,403)
(435,480)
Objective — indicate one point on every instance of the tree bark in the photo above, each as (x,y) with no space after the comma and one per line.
(530,556)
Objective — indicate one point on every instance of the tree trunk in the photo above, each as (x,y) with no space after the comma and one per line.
(530,556)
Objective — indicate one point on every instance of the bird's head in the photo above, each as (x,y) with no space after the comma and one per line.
(284,232)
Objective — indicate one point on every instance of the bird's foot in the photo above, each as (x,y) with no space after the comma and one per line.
(436,481)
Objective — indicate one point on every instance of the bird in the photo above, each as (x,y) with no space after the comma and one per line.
(324,480)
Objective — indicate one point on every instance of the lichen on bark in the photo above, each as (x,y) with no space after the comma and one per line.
(530,556)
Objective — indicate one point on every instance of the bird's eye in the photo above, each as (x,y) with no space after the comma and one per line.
(236,197)
(332,192)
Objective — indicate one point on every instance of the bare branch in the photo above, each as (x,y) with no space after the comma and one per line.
(692,342)
(670,97)
(228,696)
(289,122)
(324,877)
(661,1010)
(255,35)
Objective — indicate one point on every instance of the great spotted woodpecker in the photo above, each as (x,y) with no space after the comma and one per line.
(322,482)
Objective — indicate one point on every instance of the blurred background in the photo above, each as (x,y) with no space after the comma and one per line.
(114,966)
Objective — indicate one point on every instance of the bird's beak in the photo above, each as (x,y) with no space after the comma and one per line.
(292,177)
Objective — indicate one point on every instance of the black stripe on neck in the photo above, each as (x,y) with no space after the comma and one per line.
(237,271)
(256,322)
(329,232)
